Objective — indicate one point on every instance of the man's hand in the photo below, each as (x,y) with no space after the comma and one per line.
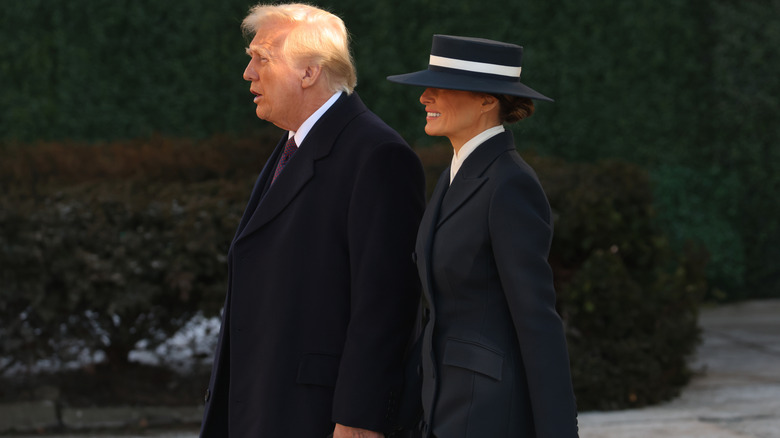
(352,432)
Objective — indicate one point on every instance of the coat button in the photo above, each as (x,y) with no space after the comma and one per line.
(419,370)
(208,396)
(414,257)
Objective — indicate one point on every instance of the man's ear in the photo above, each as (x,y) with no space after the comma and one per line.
(311,73)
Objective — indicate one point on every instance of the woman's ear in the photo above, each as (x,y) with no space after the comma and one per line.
(310,75)
(489,102)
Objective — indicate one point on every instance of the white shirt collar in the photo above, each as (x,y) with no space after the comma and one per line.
(470,146)
(306,126)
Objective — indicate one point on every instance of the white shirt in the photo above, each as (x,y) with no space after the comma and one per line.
(306,126)
(470,146)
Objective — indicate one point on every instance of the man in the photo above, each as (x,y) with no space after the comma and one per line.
(322,290)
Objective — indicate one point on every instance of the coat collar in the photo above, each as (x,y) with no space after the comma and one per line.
(470,177)
(319,142)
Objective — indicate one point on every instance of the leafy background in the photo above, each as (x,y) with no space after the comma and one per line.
(129,120)
(685,88)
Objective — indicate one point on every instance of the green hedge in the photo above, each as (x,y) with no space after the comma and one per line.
(100,256)
(105,69)
(102,246)
(686,88)
(630,301)
(745,138)
(101,267)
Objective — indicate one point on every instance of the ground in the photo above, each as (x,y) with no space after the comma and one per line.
(134,384)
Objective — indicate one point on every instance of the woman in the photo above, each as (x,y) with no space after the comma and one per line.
(494,356)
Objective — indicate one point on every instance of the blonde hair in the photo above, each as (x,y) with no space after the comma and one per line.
(316,36)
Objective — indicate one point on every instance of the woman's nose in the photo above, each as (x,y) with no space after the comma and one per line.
(426,97)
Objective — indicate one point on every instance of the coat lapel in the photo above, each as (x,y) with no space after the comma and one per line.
(257,191)
(470,176)
(426,231)
(300,169)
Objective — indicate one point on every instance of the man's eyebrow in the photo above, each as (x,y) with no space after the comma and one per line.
(257,50)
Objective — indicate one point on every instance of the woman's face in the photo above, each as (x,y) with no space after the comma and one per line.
(454,114)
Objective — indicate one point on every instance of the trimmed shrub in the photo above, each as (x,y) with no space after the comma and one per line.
(629,300)
(101,267)
(106,263)
(102,246)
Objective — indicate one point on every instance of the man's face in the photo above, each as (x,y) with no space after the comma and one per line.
(275,82)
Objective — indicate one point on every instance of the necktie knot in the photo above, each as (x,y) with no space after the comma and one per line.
(289,149)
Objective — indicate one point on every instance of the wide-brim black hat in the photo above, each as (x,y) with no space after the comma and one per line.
(472,64)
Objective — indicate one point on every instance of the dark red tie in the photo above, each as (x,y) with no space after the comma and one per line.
(289,149)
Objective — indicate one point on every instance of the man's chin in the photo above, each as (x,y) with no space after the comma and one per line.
(262,115)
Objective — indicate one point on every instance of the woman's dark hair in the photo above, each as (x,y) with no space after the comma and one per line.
(513,108)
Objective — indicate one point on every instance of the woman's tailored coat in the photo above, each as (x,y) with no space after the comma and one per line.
(494,356)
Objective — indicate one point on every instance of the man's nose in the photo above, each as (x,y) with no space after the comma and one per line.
(249,73)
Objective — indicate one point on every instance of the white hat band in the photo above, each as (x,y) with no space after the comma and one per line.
(476,67)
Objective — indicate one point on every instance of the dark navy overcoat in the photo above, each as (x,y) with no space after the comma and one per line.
(322,288)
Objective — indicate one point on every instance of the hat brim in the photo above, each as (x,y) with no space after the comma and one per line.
(458,81)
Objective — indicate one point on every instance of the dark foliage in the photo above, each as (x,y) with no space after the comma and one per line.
(686,88)
(630,302)
(95,238)
(97,260)
(102,247)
